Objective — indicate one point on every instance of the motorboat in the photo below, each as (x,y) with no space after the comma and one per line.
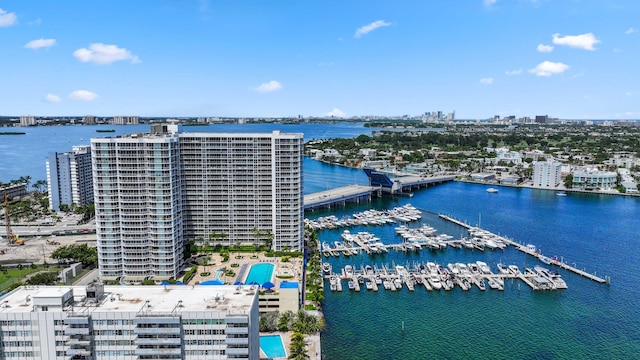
(397,283)
(387,284)
(348,269)
(433,268)
(369,285)
(326,268)
(492,190)
(503,269)
(352,285)
(368,270)
(484,268)
(494,284)
(434,281)
(514,269)
(378,280)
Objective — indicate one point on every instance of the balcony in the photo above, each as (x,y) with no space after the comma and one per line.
(237,341)
(158,341)
(76,331)
(159,352)
(157,331)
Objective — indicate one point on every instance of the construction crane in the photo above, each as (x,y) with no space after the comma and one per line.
(13,238)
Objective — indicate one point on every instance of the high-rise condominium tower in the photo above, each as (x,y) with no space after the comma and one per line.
(155,192)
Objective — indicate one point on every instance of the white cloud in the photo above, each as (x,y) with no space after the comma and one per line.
(99,53)
(545,48)
(617,50)
(628,93)
(369,28)
(336,113)
(40,43)
(489,2)
(487,81)
(548,68)
(52,98)
(631,31)
(584,41)
(7,18)
(82,95)
(269,87)
(513,72)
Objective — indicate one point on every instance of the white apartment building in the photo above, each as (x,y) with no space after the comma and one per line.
(27,120)
(69,177)
(155,191)
(547,174)
(594,179)
(130,322)
(125,120)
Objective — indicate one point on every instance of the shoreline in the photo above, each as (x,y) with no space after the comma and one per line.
(559,188)
(556,189)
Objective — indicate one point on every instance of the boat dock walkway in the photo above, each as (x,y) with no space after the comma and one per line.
(398,277)
(527,250)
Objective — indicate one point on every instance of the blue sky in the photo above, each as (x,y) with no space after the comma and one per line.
(572,59)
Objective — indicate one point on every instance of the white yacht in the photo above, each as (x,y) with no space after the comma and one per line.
(484,268)
(434,281)
(326,268)
(492,190)
(503,269)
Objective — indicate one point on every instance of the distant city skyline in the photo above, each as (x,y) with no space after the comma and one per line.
(567,59)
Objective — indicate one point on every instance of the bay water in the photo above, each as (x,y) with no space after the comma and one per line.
(598,233)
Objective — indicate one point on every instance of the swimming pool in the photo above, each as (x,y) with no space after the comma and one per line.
(272,346)
(260,273)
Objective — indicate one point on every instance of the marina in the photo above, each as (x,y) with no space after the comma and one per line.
(532,251)
(430,275)
(434,277)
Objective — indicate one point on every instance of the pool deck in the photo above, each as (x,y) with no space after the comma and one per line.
(293,267)
(313,344)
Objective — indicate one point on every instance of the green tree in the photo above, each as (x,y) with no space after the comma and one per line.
(43,278)
(568,181)
(39,185)
(298,348)
(88,256)
(269,322)
(285,320)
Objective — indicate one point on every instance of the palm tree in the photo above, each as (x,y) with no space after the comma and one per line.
(216,237)
(25,179)
(298,348)
(39,185)
(265,236)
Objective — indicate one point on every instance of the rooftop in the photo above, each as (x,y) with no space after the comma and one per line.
(153,299)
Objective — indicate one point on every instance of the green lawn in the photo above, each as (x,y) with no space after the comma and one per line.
(11,276)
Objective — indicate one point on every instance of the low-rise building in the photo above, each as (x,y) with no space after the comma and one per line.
(483,177)
(593,179)
(130,322)
(12,190)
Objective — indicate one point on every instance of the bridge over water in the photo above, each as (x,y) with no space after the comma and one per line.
(381,184)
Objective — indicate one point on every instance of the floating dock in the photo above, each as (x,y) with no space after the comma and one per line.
(528,251)
(397,277)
